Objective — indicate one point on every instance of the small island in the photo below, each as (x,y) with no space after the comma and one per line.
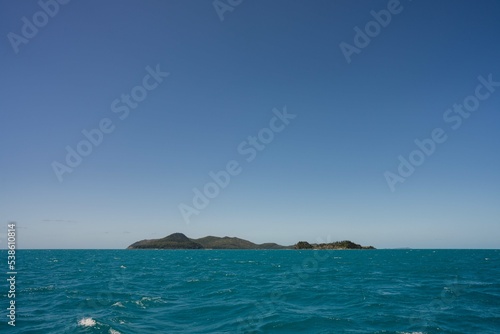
(180,241)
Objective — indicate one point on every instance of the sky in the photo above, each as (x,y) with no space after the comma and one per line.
(273,121)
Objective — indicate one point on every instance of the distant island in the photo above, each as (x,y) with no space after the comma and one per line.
(180,241)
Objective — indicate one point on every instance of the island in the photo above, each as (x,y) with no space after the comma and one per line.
(180,241)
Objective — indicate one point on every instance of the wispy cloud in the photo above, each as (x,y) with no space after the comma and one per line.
(59,221)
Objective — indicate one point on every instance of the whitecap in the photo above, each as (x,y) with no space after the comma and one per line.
(112,331)
(152,299)
(118,304)
(87,322)
(123,267)
(139,303)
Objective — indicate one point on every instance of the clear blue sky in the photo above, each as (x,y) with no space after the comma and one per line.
(320,178)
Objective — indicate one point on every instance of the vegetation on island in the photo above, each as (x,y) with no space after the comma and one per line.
(180,241)
(346,244)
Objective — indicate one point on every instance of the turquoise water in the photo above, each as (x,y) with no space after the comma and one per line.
(279,291)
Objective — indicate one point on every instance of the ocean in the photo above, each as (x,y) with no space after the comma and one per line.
(255,291)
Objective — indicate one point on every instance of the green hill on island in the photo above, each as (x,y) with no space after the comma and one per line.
(180,241)
(173,241)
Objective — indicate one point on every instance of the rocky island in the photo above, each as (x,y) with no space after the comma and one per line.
(180,241)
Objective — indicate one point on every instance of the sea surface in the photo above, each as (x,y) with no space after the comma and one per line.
(239,291)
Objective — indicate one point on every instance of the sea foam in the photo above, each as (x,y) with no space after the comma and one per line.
(87,322)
